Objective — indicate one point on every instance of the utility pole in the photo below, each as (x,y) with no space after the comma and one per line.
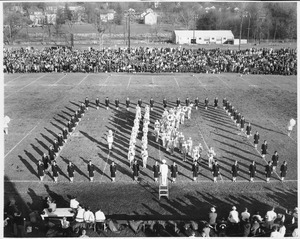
(195,17)
(128,32)
(241,31)
(249,15)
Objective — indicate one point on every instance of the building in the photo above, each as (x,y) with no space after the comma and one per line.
(108,15)
(201,36)
(37,18)
(150,18)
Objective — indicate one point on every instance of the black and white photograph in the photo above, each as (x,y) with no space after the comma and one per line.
(149,119)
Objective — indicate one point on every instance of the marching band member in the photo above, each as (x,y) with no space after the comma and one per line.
(97,103)
(184,151)
(165,103)
(156,171)
(195,154)
(131,155)
(174,172)
(189,111)
(187,101)
(248,130)
(256,139)
(211,154)
(86,101)
(264,148)
(177,102)
(171,145)
(216,102)
(189,146)
(238,119)
(151,103)
(117,102)
(197,102)
(110,139)
(224,103)
(242,123)
(195,169)
(182,115)
(163,138)
(140,102)
(107,102)
(82,108)
(180,141)
(144,157)
(206,103)
(127,103)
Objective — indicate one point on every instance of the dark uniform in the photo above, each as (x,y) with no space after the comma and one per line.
(86,101)
(73,121)
(151,103)
(178,102)
(252,171)
(242,123)
(206,101)
(55,146)
(107,102)
(165,103)
(224,103)
(65,133)
(268,170)
(70,126)
(117,102)
(135,170)
(238,119)
(60,139)
(82,108)
(234,171)
(275,159)
(127,103)
(174,172)
(248,130)
(264,148)
(283,170)
(215,171)
(46,161)
(55,171)
(97,103)
(187,101)
(140,102)
(256,138)
(71,170)
(51,153)
(156,170)
(41,170)
(197,102)
(216,101)
(195,169)
(113,170)
(91,169)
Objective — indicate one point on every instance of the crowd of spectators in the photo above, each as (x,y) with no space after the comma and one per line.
(143,59)
(87,222)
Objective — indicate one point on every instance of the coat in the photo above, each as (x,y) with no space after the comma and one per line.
(40,169)
(91,169)
(55,170)
(283,170)
(136,170)
(174,171)
(71,170)
(252,170)
(156,170)
(216,170)
(113,170)
(195,169)
(264,148)
(235,170)
(268,170)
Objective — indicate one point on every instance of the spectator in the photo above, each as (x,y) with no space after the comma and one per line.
(282,229)
(19,229)
(206,230)
(270,217)
(65,226)
(74,203)
(245,215)
(254,227)
(83,233)
(275,232)
(100,220)
(212,217)
(234,216)
(246,227)
(89,218)
(79,218)
(222,227)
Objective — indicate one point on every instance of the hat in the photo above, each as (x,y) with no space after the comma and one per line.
(233,208)
(213,209)
(164,161)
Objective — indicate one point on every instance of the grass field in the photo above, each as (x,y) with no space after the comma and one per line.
(41,104)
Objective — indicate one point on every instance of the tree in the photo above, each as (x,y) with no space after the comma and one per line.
(14,22)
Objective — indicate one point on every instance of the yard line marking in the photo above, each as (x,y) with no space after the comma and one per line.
(152,80)
(83,79)
(26,85)
(128,83)
(105,82)
(202,137)
(201,83)
(176,81)
(223,81)
(14,79)
(20,141)
(54,84)
(130,182)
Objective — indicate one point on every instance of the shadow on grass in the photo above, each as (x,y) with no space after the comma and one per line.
(29,167)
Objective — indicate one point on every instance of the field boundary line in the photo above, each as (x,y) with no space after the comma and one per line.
(265,78)
(59,80)
(128,83)
(27,85)
(20,141)
(83,79)
(131,182)
(223,81)
(202,137)
(176,81)
(14,79)
(201,83)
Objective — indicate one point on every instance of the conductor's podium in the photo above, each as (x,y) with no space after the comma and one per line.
(163,190)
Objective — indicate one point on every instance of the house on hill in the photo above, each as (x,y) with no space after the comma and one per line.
(201,36)
(149,17)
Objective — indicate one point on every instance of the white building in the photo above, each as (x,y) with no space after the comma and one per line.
(201,36)
(150,18)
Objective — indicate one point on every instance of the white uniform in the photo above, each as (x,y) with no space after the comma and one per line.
(110,140)
(164,170)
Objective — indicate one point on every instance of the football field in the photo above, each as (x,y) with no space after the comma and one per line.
(40,106)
